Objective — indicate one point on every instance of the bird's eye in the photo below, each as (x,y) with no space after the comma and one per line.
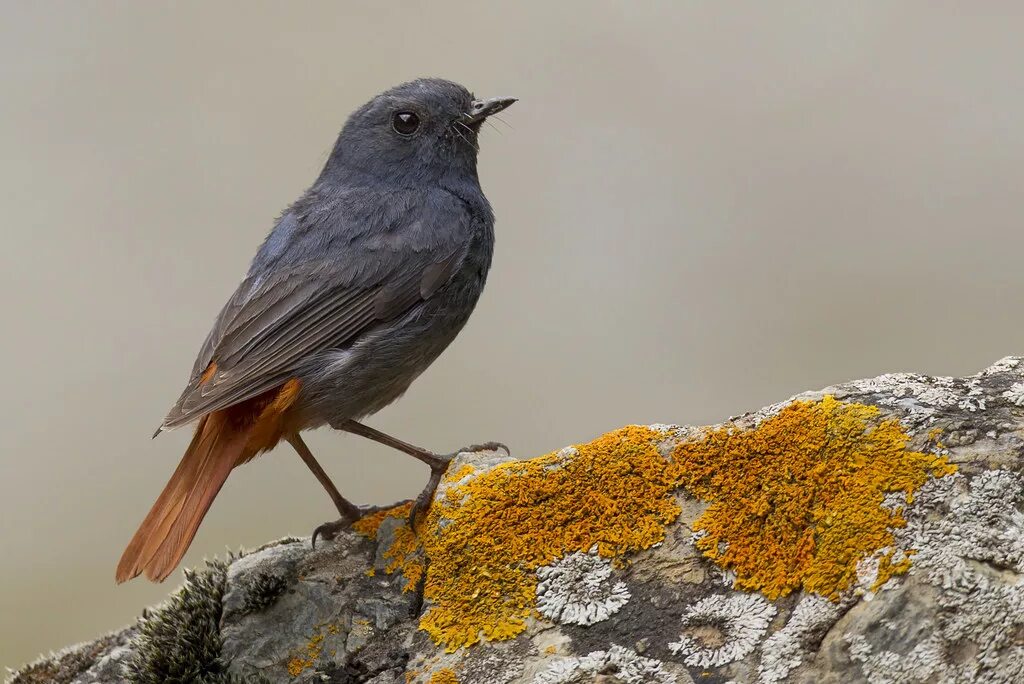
(405,123)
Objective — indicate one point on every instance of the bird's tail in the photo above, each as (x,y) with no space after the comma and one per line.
(166,533)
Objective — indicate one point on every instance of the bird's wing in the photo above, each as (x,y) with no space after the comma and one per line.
(271,324)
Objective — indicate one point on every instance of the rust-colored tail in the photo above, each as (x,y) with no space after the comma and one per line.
(164,536)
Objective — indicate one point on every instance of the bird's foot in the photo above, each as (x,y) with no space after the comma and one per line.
(329,530)
(438,466)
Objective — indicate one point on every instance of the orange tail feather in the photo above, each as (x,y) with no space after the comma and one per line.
(223,439)
(165,535)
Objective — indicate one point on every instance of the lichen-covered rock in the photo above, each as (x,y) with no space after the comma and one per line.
(870,532)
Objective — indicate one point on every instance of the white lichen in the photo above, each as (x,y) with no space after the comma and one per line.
(578,589)
(974,400)
(955,524)
(492,666)
(968,537)
(567,452)
(1003,365)
(1015,394)
(622,663)
(785,649)
(922,664)
(771,411)
(738,622)
(919,395)
(894,501)
(868,570)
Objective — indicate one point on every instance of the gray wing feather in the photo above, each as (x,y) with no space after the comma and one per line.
(271,324)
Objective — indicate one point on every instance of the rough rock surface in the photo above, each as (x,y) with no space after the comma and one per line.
(869,532)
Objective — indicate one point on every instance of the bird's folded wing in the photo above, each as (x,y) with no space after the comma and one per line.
(270,325)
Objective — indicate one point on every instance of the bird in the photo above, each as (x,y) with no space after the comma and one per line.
(361,284)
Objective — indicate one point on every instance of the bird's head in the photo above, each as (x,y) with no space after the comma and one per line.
(422,131)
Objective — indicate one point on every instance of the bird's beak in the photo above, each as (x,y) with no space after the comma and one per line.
(481,109)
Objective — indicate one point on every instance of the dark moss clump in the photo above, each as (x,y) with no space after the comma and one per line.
(262,591)
(180,641)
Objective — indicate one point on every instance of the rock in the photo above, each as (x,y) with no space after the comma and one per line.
(869,532)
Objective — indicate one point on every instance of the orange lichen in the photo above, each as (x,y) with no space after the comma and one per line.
(456,475)
(312,650)
(296,666)
(307,659)
(444,676)
(369,524)
(794,503)
(404,554)
(887,569)
(500,526)
(797,502)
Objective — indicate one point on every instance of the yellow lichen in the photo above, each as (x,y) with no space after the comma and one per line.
(311,651)
(444,676)
(797,502)
(500,526)
(296,665)
(369,524)
(464,470)
(794,503)
(887,569)
(404,554)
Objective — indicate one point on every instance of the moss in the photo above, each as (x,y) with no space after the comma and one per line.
(262,591)
(180,640)
(797,502)
(444,676)
(794,503)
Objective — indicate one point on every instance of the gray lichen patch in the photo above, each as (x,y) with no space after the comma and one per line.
(786,649)
(1015,394)
(579,589)
(624,664)
(722,629)
(968,534)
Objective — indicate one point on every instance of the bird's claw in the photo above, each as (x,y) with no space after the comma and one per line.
(438,467)
(329,530)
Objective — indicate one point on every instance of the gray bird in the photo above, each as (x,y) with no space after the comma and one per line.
(361,284)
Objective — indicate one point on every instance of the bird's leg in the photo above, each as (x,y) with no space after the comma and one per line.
(349,511)
(438,462)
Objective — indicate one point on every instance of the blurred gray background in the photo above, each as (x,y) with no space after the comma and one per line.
(701,210)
